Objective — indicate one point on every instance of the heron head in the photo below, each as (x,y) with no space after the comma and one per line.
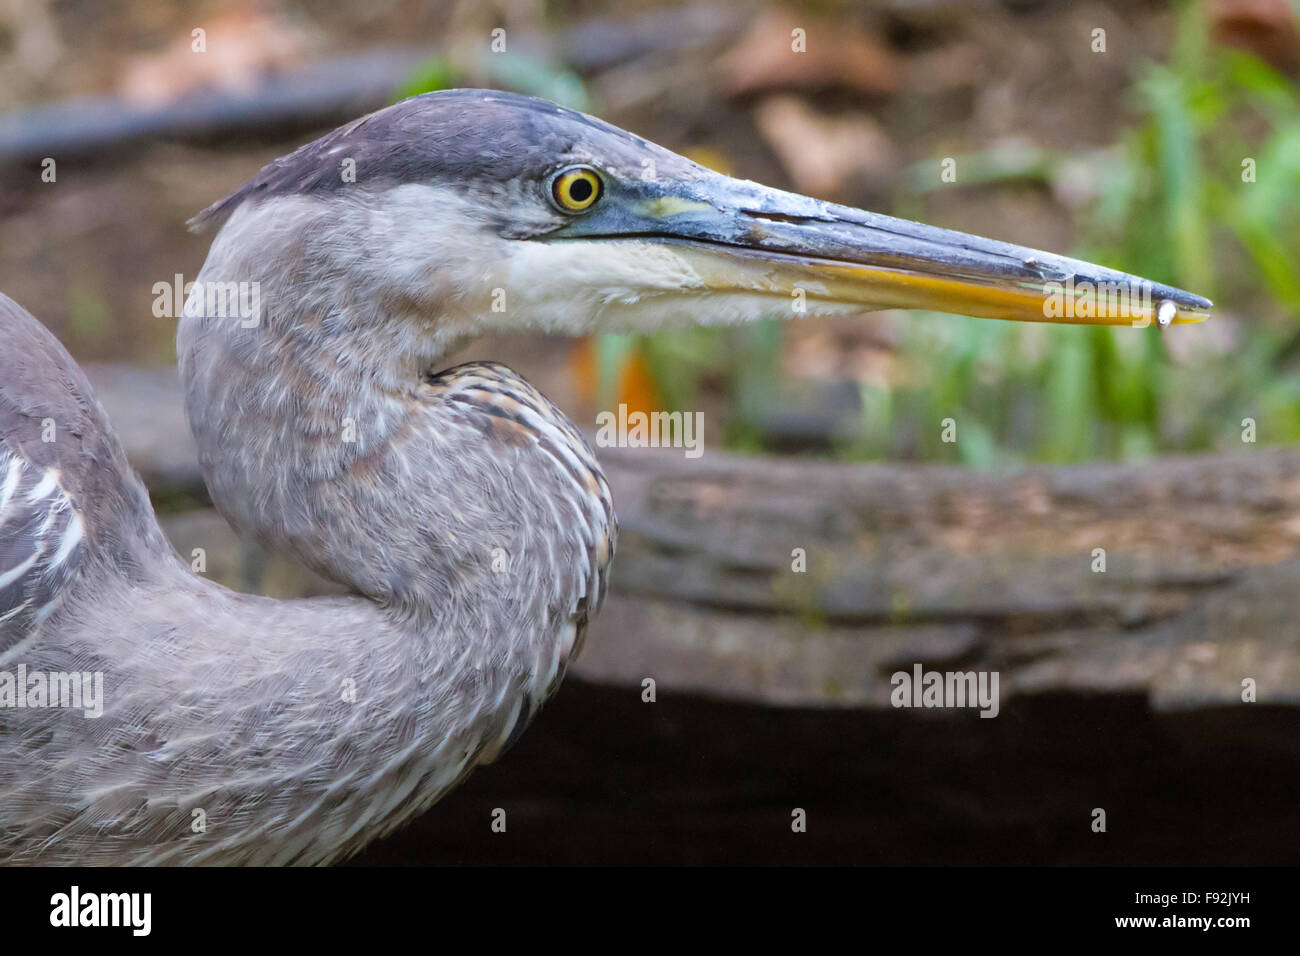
(493,210)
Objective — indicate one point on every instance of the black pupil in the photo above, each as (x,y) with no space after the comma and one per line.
(580,190)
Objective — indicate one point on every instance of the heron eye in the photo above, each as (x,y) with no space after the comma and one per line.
(576,189)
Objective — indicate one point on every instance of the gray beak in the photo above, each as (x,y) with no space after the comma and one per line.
(741,236)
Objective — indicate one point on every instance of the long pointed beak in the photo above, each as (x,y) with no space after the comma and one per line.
(741,236)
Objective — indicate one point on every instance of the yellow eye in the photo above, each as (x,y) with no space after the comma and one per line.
(576,189)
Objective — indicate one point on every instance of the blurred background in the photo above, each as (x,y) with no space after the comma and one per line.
(1160,139)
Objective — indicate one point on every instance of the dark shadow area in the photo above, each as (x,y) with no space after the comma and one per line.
(603,778)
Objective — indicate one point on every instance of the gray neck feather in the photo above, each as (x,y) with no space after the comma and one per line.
(306,419)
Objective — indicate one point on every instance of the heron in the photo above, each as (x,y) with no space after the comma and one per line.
(464,514)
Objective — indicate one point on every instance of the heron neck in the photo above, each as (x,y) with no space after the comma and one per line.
(298,422)
(321,434)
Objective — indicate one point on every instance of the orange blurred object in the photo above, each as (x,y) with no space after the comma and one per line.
(635,387)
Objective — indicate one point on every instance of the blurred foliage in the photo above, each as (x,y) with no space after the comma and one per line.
(519,72)
(1172,204)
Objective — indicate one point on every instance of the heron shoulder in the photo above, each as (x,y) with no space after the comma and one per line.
(70,487)
(42,546)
